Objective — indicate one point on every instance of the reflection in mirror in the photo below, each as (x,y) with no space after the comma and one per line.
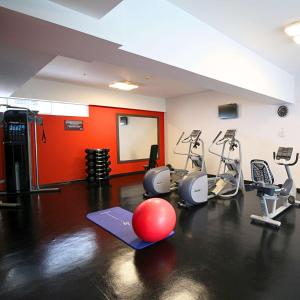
(136,134)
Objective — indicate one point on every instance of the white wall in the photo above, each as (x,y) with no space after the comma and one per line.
(259,129)
(65,92)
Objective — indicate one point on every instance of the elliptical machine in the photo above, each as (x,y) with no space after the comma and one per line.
(229,179)
(165,179)
(196,188)
(263,182)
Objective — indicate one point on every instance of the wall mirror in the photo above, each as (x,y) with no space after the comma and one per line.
(135,135)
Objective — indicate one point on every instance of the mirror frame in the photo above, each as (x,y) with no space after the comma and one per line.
(118,115)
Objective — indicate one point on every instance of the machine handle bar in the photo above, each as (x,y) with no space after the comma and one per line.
(290,164)
(220,132)
(180,138)
(197,139)
(296,160)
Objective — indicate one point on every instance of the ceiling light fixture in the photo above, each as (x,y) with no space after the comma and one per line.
(293,29)
(125,85)
(297,39)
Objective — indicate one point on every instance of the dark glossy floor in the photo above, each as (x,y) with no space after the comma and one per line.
(48,250)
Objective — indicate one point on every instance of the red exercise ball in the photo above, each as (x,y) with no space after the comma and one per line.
(154,219)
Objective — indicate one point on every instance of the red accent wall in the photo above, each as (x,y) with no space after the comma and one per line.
(62,158)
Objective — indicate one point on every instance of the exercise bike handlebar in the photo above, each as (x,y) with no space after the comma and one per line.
(286,164)
(296,160)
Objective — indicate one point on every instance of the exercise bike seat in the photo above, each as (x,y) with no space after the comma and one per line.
(286,187)
(261,172)
(267,189)
(262,188)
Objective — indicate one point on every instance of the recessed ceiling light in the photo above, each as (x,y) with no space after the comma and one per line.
(293,29)
(297,39)
(125,85)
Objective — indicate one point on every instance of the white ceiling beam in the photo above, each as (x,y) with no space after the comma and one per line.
(160,31)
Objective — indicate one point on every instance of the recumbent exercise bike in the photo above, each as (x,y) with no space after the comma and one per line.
(268,193)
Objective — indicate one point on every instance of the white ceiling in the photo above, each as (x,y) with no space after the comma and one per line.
(256,24)
(17,65)
(99,74)
(93,8)
(77,53)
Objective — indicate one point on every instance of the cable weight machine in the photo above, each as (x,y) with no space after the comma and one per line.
(19,125)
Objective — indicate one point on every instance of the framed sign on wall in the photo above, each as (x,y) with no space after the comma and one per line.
(74,125)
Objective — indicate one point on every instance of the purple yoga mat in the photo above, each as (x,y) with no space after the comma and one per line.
(117,221)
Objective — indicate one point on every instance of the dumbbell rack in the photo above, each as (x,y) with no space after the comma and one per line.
(97,162)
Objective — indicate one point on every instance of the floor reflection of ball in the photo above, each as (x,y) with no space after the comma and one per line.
(155,264)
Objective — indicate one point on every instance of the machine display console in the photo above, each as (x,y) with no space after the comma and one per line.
(195,133)
(16,132)
(230,133)
(284,153)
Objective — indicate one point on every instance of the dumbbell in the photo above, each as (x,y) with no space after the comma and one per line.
(103,171)
(102,166)
(101,156)
(90,157)
(101,151)
(102,174)
(107,162)
(101,178)
(107,170)
(90,164)
(89,151)
(90,171)
(92,151)
(97,160)
(91,179)
(101,161)
(98,164)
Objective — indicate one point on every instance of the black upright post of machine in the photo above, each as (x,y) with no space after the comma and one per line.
(18,143)
(17,151)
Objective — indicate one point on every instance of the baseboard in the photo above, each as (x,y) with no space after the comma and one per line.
(127,174)
(82,180)
(62,183)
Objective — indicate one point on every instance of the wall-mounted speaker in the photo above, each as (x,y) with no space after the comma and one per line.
(282,111)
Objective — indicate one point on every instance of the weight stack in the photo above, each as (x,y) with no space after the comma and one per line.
(98,165)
